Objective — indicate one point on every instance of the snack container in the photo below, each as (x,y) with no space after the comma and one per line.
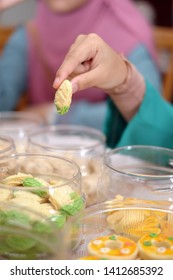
(85,146)
(7,146)
(28,235)
(127,228)
(47,184)
(143,172)
(17,125)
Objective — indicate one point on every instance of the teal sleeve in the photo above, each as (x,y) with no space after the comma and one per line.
(152,124)
(13,70)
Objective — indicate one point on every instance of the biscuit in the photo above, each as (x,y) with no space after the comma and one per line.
(156,247)
(63,97)
(113,247)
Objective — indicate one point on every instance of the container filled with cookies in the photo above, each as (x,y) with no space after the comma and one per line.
(26,234)
(127,229)
(47,184)
(85,146)
(143,172)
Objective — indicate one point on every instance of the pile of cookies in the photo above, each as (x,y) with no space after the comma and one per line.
(128,231)
(42,196)
(151,246)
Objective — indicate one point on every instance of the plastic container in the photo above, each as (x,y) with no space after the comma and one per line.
(47,184)
(127,229)
(143,172)
(84,145)
(7,146)
(27,235)
(17,125)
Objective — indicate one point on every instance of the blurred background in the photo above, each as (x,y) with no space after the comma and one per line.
(157,11)
(160,12)
(15,13)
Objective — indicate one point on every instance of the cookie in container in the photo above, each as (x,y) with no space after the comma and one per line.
(84,145)
(127,229)
(47,184)
(26,234)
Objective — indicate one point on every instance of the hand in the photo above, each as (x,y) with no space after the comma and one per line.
(90,62)
(5,4)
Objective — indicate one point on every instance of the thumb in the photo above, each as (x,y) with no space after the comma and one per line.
(85,80)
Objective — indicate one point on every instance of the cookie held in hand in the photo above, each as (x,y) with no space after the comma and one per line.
(63,97)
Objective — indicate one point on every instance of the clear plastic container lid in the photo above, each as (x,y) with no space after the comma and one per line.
(7,146)
(17,125)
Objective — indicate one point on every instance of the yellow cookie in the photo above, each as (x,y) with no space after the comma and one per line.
(63,97)
(113,247)
(156,247)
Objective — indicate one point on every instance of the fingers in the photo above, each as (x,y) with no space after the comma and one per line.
(78,59)
(90,62)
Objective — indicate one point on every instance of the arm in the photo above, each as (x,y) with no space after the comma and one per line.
(151,125)
(13,71)
(92,63)
(152,118)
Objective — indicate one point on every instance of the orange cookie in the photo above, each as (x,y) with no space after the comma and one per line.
(156,247)
(113,247)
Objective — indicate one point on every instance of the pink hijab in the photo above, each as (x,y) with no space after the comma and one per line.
(118,22)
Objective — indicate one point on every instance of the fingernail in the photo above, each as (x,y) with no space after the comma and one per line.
(74,87)
(56,81)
